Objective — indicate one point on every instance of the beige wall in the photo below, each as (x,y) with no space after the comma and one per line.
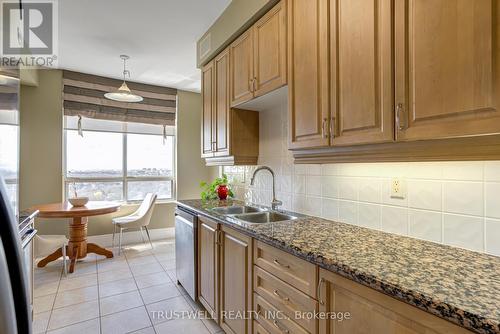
(191,167)
(237,17)
(41,179)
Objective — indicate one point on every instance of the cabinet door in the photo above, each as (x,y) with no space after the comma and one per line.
(207,133)
(208,266)
(270,50)
(361,69)
(236,281)
(371,312)
(447,78)
(241,68)
(308,89)
(222,110)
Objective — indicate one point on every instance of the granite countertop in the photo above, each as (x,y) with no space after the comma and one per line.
(455,284)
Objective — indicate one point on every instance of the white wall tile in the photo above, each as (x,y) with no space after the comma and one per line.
(348,188)
(395,219)
(425,170)
(463,170)
(492,171)
(330,187)
(330,209)
(284,182)
(492,233)
(370,190)
(329,169)
(463,231)
(348,212)
(369,215)
(313,206)
(492,200)
(423,194)
(299,184)
(425,225)
(299,203)
(463,197)
(313,185)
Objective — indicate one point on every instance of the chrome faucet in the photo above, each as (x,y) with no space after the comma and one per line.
(275,203)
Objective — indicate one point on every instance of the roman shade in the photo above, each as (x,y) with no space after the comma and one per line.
(83,96)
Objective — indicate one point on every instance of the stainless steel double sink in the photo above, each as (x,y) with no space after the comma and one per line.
(252,214)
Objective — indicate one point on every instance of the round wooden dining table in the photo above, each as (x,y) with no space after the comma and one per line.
(77,247)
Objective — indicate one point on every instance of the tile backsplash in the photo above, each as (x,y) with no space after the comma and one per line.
(455,203)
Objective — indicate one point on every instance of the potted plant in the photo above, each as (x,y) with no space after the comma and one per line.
(218,189)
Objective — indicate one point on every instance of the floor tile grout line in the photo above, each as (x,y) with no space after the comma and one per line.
(140,295)
(52,309)
(76,323)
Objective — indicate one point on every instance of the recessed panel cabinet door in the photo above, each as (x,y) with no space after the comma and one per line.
(361,69)
(222,111)
(241,67)
(270,50)
(207,133)
(236,282)
(372,312)
(447,73)
(308,73)
(208,266)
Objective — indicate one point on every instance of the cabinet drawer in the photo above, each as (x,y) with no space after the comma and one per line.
(273,320)
(258,329)
(294,271)
(285,298)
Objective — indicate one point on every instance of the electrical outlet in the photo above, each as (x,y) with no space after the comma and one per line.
(398,188)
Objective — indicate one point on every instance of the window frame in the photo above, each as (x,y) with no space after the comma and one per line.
(124,178)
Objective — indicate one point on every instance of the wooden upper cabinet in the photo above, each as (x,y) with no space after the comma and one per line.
(241,69)
(361,69)
(447,73)
(208,266)
(308,73)
(269,35)
(222,110)
(207,88)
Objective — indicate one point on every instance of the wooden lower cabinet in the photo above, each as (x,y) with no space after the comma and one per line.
(372,312)
(235,281)
(225,275)
(208,265)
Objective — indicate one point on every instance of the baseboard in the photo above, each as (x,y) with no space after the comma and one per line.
(133,236)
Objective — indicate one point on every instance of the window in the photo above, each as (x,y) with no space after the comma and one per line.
(116,161)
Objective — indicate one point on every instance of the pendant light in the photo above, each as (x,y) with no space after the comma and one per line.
(123,94)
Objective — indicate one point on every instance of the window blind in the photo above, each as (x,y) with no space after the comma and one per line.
(83,95)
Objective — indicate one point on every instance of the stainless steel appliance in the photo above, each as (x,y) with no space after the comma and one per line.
(27,234)
(15,313)
(186,250)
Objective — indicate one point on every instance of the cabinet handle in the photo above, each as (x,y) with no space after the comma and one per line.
(280,264)
(277,294)
(321,281)
(277,325)
(400,123)
(254,84)
(214,146)
(217,242)
(332,127)
(324,134)
(250,85)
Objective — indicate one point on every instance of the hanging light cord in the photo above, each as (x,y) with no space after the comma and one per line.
(125,71)
(80,129)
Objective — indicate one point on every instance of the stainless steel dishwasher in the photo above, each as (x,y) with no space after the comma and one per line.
(186,249)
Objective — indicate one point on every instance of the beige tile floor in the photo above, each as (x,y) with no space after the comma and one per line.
(113,296)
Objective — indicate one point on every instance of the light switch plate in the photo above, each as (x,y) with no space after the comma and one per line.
(398,188)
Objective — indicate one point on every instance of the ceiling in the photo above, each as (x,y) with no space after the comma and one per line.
(159,35)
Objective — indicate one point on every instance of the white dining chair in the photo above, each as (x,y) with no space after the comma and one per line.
(136,220)
(47,244)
